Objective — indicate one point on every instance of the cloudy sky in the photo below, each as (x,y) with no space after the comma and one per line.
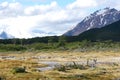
(30,18)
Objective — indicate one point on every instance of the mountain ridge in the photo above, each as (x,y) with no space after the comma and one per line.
(109,32)
(98,19)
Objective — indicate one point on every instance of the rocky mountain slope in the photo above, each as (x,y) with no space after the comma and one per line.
(109,32)
(98,19)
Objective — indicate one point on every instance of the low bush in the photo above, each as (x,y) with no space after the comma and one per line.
(18,70)
(71,66)
(2,78)
(11,47)
(61,68)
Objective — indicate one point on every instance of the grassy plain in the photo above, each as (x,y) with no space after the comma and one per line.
(107,65)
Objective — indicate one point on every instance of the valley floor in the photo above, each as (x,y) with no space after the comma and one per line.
(61,65)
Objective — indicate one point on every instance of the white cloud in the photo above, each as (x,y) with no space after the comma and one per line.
(4,4)
(82,4)
(19,27)
(113,3)
(41,9)
(10,9)
(25,21)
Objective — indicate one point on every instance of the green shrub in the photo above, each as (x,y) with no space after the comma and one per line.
(61,68)
(18,70)
(2,78)
(11,47)
(39,46)
(70,66)
(76,66)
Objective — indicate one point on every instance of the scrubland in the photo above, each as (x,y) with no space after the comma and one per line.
(92,65)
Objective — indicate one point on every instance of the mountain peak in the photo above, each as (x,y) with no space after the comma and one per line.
(98,19)
(102,12)
(4,35)
(106,10)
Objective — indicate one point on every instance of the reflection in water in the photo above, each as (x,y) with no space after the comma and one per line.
(51,65)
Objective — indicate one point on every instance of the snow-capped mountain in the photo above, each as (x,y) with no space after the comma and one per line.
(40,33)
(98,19)
(4,35)
(109,32)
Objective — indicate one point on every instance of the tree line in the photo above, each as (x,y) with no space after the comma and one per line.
(56,43)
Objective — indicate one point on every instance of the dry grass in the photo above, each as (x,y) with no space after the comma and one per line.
(101,72)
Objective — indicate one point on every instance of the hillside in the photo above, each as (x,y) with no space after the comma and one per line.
(109,32)
(97,19)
